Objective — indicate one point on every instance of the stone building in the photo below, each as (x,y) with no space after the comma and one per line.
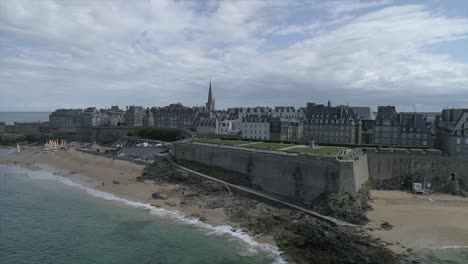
(175,116)
(134,116)
(65,118)
(452,132)
(256,126)
(332,124)
(206,123)
(285,129)
(367,118)
(90,117)
(148,118)
(116,116)
(230,122)
(288,112)
(401,129)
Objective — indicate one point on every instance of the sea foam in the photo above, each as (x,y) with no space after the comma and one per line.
(252,246)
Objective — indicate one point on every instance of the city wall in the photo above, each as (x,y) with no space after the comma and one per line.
(430,165)
(110,134)
(294,177)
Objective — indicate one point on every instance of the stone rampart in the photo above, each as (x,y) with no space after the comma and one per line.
(299,178)
(430,165)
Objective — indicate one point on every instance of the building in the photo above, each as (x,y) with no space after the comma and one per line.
(401,129)
(206,124)
(65,118)
(134,116)
(116,116)
(288,112)
(175,116)
(452,132)
(230,122)
(256,126)
(284,129)
(90,117)
(148,118)
(332,124)
(367,118)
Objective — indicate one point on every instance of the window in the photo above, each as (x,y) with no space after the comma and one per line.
(458,140)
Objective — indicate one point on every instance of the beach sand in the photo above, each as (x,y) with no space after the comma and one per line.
(93,171)
(417,222)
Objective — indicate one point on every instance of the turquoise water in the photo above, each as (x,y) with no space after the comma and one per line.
(11,117)
(45,220)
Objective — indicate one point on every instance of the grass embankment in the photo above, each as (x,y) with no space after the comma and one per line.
(289,147)
(317,150)
(272,146)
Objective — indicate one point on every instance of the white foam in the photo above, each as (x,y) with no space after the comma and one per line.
(450,247)
(253,246)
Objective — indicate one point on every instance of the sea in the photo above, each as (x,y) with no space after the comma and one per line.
(11,117)
(45,218)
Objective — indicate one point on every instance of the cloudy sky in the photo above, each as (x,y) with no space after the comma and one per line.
(78,53)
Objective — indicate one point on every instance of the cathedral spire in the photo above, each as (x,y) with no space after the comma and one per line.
(211,102)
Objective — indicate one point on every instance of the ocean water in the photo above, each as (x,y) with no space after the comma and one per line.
(11,117)
(45,219)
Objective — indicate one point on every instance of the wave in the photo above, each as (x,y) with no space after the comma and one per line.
(5,151)
(450,247)
(253,246)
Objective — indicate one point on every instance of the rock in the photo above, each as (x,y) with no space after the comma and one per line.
(115,182)
(386,226)
(139,179)
(157,195)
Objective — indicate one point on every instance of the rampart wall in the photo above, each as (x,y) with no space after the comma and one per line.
(293,177)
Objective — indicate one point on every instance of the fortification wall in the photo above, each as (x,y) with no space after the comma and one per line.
(113,133)
(432,165)
(27,128)
(294,177)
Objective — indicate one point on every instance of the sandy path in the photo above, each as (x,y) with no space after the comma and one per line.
(419,223)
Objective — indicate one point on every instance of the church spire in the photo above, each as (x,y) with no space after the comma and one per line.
(211,102)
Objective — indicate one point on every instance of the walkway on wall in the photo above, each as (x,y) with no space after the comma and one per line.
(262,195)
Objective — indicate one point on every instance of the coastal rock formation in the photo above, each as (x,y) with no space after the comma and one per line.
(302,238)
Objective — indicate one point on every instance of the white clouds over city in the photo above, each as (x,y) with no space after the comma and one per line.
(79,53)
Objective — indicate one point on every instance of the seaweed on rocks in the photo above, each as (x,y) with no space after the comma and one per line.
(350,207)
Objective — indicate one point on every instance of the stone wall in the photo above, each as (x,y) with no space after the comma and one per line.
(28,128)
(110,134)
(293,177)
(432,165)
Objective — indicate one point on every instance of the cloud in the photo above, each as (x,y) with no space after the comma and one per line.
(80,53)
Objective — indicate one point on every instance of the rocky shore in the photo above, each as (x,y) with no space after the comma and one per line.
(302,238)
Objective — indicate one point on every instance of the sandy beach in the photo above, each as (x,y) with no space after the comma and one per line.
(419,223)
(100,173)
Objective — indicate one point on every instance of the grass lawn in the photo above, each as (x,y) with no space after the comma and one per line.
(272,146)
(319,150)
(219,141)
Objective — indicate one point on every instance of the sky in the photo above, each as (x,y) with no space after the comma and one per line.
(81,53)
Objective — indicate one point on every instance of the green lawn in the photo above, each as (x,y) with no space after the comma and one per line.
(272,146)
(219,141)
(319,150)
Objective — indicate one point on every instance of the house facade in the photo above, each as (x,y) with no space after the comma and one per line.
(452,132)
(332,124)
